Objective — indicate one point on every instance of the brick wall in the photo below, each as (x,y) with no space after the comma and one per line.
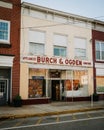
(96,35)
(13,15)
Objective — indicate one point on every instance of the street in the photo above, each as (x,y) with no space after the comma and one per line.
(80,121)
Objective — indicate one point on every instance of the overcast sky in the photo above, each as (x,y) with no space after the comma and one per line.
(87,8)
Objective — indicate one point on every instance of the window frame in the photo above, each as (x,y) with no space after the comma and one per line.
(60,41)
(60,47)
(99,50)
(4,41)
(40,40)
(80,50)
(37,45)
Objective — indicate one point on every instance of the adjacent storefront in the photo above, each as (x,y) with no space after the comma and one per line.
(99,78)
(6,63)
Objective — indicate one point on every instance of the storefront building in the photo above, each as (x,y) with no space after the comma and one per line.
(98,52)
(59,79)
(56,56)
(9,50)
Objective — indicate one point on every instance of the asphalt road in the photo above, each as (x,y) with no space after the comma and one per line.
(76,121)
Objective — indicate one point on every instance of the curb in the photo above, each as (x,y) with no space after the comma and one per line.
(12,116)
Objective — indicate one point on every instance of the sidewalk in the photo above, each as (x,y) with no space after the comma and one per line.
(53,108)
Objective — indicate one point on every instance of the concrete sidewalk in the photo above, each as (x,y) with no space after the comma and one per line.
(53,108)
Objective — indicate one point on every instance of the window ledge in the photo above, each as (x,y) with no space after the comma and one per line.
(99,61)
(2,45)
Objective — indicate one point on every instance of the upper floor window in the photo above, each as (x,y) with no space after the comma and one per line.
(99,50)
(36,48)
(36,42)
(4,31)
(80,48)
(60,45)
(59,51)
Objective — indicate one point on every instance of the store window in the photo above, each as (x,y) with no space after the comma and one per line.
(100,84)
(36,88)
(100,80)
(80,48)
(4,31)
(80,79)
(37,83)
(68,85)
(36,42)
(99,50)
(77,83)
(60,45)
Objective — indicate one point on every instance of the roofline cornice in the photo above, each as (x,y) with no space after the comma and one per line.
(61,13)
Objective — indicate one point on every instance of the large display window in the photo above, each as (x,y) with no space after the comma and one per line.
(76,83)
(36,88)
(37,83)
(80,79)
(100,80)
(42,83)
(100,84)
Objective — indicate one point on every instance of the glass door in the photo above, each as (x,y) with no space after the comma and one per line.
(3,91)
(55,90)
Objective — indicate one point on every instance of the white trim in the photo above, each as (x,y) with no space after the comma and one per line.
(6,61)
(41,66)
(99,65)
(6,5)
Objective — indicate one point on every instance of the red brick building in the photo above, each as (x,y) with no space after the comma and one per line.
(9,49)
(98,60)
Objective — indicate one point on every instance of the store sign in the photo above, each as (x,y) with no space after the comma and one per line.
(37,77)
(55,61)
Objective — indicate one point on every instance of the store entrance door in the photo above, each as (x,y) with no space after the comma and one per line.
(3,91)
(55,90)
